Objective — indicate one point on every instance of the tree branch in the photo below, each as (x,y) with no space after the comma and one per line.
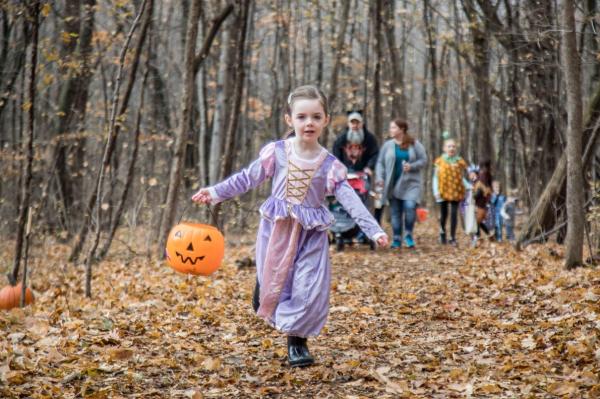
(210,37)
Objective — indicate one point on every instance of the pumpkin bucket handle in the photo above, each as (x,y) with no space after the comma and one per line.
(212,213)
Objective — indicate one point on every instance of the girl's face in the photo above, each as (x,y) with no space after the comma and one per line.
(395,131)
(308,119)
(450,148)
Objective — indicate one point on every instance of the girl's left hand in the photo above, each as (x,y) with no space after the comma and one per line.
(405,166)
(202,196)
(383,241)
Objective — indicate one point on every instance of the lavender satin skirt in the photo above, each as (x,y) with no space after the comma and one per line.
(294,273)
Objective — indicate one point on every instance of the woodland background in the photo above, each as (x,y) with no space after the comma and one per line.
(112,113)
(164,97)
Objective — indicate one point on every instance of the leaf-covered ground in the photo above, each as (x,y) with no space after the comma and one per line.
(436,322)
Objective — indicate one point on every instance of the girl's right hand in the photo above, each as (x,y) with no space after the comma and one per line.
(202,196)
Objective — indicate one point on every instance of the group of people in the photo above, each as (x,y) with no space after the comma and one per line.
(484,206)
(293,275)
(396,171)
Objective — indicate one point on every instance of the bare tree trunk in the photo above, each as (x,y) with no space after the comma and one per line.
(463,131)
(184,125)
(396,62)
(543,216)
(319,78)
(575,189)
(339,47)
(220,111)
(481,70)
(33,13)
(130,170)
(231,134)
(377,99)
(434,104)
(83,229)
(203,154)
(192,63)
(73,98)
(12,56)
(108,150)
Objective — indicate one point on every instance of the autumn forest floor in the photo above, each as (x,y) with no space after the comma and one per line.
(434,322)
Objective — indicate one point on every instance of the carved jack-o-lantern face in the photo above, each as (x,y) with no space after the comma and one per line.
(195,248)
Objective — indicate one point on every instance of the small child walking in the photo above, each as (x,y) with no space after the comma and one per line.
(448,188)
(292,249)
(508,213)
(496,203)
(480,196)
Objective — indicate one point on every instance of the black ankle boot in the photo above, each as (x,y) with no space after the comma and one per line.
(256,297)
(443,238)
(298,354)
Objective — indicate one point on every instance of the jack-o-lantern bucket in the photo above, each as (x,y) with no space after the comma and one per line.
(195,248)
(422,214)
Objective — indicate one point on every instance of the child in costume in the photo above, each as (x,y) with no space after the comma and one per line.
(292,249)
(508,213)
(448,186)
(480,196)
(496,203)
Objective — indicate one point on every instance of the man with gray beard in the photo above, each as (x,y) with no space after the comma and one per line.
(356,147)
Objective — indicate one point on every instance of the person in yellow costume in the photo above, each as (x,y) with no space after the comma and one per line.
(448,187)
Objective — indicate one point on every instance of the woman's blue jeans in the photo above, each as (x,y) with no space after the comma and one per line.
(402,209)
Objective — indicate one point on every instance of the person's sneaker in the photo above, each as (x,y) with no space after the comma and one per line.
(453,242)
(410,243)
(396,244)
(443,238)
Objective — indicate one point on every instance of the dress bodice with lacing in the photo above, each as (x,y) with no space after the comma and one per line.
(299,187)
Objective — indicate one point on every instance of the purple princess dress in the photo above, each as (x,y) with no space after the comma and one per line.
(292,249)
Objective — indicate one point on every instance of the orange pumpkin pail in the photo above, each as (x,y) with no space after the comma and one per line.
(195,248)
(422,214)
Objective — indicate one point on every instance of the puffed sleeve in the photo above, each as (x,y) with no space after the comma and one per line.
(246,179)
(337,174)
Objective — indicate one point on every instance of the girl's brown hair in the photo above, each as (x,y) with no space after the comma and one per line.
(308,92)
(407,139)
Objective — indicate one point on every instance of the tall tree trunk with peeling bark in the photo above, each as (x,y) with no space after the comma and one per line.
(575,190)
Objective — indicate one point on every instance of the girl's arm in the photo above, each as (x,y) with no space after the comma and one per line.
(239,183)
(338,186)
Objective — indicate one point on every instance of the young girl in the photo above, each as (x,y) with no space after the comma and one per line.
(448,187)
(292,250)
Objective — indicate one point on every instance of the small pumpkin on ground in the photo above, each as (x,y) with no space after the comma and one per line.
(10,296)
